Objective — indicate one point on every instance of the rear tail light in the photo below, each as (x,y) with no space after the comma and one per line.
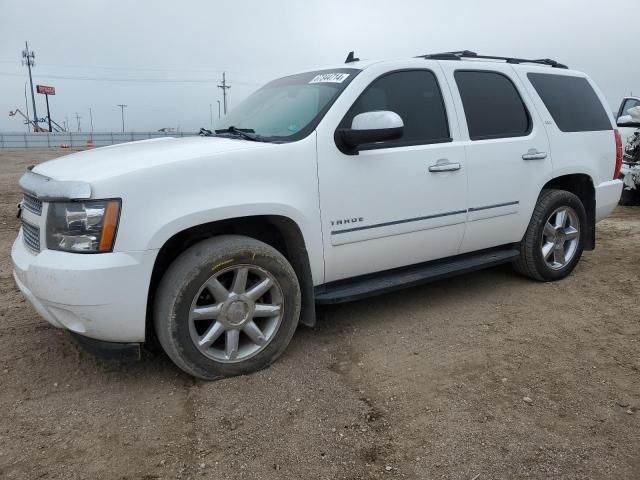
(616,172)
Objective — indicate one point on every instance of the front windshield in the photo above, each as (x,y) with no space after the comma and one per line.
(289,108)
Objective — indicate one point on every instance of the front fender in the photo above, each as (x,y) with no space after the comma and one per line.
(309,229)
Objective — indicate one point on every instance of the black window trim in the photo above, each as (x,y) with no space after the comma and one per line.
(388,145)
(476,138)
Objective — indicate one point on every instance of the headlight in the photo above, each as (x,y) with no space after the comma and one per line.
(85,227)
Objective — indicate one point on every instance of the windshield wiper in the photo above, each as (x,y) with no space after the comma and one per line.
(245,133)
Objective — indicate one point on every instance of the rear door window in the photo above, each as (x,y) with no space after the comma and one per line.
(492,105)
(572,102)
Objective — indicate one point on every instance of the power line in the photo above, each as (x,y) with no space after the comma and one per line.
(123,79)
(205,71)
(135,68)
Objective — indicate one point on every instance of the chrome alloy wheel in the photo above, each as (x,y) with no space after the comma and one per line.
(560,237)
(236,313)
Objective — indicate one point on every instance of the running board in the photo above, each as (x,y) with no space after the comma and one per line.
(356,288)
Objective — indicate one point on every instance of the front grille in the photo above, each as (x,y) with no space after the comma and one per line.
(31,236)
(32,204)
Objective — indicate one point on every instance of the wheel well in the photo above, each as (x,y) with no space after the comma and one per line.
(580,185)
(279,232)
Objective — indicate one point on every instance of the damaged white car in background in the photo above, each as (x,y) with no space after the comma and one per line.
(630,171)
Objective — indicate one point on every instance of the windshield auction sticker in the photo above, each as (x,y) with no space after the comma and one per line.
(330,78)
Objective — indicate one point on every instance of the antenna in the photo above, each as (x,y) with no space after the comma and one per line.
(351,57)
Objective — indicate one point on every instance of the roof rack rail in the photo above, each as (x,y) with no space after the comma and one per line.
(469,54)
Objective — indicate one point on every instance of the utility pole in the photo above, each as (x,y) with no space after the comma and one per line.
(91,118)
(46,97)
(218,109)
(211,116)
(66,123)
(29,60)
(78,118)
(122,107)
(224,88)
(26,104)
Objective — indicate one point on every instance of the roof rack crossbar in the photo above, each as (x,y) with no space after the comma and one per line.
(469,54)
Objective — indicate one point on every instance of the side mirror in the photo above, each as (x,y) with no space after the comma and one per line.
(628,121)
(371,127)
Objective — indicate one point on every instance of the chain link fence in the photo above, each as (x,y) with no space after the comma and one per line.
(78,139)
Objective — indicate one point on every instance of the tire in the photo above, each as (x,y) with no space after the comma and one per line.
(201,300)
(536,242)
(629,198)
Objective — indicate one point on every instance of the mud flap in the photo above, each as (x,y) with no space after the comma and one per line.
(109,350)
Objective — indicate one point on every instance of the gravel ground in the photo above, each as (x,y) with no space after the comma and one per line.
(485,376)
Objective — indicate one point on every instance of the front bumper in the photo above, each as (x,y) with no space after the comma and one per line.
(100,296)
(607,197)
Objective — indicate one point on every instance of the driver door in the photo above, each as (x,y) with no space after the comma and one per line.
(389,205)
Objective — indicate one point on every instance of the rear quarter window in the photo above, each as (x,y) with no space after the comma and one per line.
(572,102)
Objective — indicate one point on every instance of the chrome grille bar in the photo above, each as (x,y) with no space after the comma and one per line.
(31,203)
(31,236)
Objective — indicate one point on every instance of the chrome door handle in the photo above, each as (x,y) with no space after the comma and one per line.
(445,166)
(534,154)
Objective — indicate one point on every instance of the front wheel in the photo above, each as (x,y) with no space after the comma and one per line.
(555,238)
(227,306)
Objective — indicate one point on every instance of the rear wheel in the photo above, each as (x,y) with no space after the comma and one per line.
(227,306)
(554,240)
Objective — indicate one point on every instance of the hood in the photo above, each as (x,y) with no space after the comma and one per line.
(123,158)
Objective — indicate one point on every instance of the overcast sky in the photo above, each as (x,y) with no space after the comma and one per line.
(164,59)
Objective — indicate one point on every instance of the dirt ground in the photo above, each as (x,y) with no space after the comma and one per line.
(426,383)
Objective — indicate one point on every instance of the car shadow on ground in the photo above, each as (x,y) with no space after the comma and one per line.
(361,314)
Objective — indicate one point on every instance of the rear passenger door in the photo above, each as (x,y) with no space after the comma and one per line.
(507,152)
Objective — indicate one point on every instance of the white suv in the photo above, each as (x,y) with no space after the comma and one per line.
(323,187)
